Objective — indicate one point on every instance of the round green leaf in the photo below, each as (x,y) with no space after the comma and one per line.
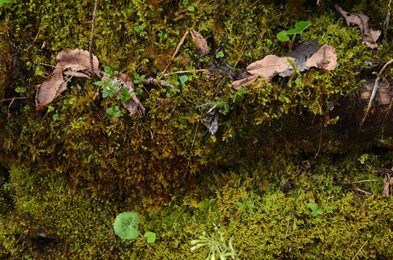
(151,237)
(183,79)
(191,8)
(126,225)
(282,36)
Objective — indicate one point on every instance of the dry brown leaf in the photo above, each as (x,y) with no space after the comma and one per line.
(324,58)
(50,89)
(371,40)
(238,84)
(134,106)
(76,62)
(369,35)
(302,53)
(383,96)
(386,187)
(270,66)
(200,44)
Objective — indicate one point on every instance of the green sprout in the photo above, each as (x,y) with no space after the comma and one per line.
(126,227)
(283,36)
(140,29)
(4,2)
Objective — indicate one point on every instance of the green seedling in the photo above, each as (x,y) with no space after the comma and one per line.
(315,209)
(4,2)
(126,227)
(283,36)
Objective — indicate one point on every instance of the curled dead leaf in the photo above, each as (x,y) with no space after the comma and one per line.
(362,21)
(269,67)
(50,89)
(238,84)
(302,53)
(324,58)
(386,187)
(134,106)
(76,62)
(200,44)
(211,119)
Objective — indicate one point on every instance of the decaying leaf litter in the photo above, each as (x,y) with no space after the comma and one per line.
(75,63)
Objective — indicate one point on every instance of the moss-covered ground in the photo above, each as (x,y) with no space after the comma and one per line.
(270,178)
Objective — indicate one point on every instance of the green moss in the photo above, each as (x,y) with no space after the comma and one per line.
(69,177)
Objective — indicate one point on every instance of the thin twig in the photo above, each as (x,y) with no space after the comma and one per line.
(189,158)
(386,23)
(177,49)
(186,72)
(320,140)
(92,37)
(374,92)
(365,192)
(12,99)
(353,182)
(35,38)
(360,249)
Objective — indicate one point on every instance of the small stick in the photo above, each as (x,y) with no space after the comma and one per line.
(189,158)
(177,49)
(92,37)
(186,72)
(374,92)
(386,23)
(359,250)
(361,181)
(12,99)
(365,192)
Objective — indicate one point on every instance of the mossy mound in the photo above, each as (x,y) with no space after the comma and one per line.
(272,179)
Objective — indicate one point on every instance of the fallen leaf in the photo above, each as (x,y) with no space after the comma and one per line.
(238,84)
(50,89)
(302,53)
(371,40)
(211,119)
(76,62)
(134,106)
(369,35)
(269,67)
(200,44)
(324,58)
(386,187)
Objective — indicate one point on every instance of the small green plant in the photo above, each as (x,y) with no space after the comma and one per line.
(138,81)
(190,7)
(315,209)
(176,82)
(126,227)
(110,89)
(245,205)
(20,90)
(217,245)
(55,116)
(283,36)
(140,29)
(220,54)
(4,2)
